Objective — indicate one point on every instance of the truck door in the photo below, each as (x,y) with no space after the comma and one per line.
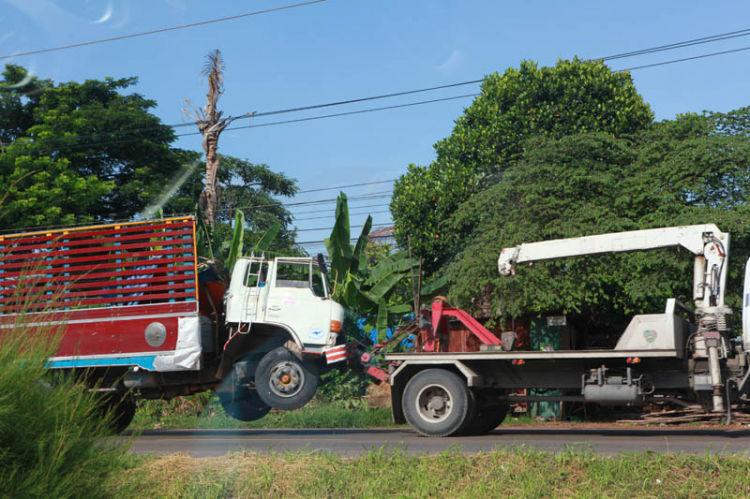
(298,301)
(256,288)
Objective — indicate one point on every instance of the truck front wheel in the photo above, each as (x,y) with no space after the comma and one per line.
(240,401)
(285,382)
(437,403)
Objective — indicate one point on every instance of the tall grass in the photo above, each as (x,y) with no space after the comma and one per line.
(52,427)
(519,472)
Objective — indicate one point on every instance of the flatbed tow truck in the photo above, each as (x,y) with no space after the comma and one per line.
(682,355)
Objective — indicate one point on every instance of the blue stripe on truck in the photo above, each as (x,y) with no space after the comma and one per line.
(146,362)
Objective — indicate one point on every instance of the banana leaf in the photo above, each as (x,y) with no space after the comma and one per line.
(235,247)
(382,321)
(397,263)
(359,258)
(204,240)
(338,245)
(400,309)
(267,239)
(384,286)
(434,286)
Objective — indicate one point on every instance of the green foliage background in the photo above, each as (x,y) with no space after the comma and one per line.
(570,98)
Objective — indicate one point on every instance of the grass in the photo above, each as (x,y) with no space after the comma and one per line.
(519,472)
(51,426)
(183,414)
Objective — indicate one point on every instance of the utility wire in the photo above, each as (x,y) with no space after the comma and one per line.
(162,30)
(346,186)
(354,207)
(664,63)
(678,45)
(361,111)
(687,43)
(379,225)
(304,203)
(333,215)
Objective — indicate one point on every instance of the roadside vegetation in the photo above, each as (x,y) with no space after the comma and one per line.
(51,427)
(184,413)
(342,401)
(518,472)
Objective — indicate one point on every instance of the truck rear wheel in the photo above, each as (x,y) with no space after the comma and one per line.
(285,382)
(240,401)
(122,409)
(437,403)
(486,418)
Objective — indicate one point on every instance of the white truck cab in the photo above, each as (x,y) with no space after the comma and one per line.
(287,292)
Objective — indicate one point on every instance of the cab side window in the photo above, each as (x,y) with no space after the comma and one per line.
(257,274)
(293,275)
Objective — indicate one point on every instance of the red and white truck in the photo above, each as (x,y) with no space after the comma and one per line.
(143,316)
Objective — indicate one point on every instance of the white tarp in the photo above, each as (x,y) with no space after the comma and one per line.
(187,355)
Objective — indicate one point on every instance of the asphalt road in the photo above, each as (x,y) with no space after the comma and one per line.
(350,442)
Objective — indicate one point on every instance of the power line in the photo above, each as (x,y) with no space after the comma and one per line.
(709,39)
(303,203)
(664,63)
(162,30)
(352,239)
(362,111)
(617,56)
(354,101)
(333,215)
(678,45)
(347,186)
(354,207)
(379,225)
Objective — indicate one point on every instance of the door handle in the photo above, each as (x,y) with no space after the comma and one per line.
(274,308)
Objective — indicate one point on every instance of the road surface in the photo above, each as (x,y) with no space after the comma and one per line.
(351,442)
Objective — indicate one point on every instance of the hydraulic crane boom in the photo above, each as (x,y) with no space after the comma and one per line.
(711,249)
(707,242)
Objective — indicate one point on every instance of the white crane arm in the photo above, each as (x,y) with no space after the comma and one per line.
(707,242)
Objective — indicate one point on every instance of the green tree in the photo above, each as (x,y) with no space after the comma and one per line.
(687,171)
(571,97)
(71,155)
(253,188)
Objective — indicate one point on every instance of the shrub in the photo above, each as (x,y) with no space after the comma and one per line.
(52,428)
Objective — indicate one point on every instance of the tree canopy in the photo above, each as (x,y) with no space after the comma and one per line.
(244,185)
(690,170)
(570,98)
(78,152)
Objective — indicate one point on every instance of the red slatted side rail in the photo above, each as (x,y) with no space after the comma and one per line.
(137,263)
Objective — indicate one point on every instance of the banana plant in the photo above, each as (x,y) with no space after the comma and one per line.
(210,246)
(366,292)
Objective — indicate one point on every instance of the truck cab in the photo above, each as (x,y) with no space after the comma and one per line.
(288,293)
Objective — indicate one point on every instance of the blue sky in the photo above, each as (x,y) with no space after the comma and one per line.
(340,50)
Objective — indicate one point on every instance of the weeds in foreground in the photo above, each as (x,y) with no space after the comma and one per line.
(51,427)
(508,472)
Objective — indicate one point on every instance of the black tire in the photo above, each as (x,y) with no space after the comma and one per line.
(239,400)
(285,382)
(487,418)
(437,403)
(122,411)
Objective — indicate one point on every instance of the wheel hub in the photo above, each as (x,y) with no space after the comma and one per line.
(286,379)
(434,403)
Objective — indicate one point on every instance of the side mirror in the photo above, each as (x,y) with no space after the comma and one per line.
(322,264)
